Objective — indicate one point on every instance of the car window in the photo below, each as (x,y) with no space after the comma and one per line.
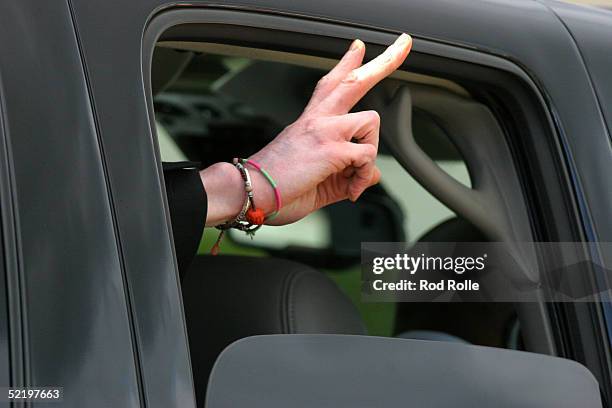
(210,105)
(222,106)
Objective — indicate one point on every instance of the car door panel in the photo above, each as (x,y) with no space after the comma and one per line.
(112,35)
(70,326)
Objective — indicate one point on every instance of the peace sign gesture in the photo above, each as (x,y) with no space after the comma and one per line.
(315,161)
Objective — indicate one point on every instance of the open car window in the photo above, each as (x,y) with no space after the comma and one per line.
(218,103)
(222,106)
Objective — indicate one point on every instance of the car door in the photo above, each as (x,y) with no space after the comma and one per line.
(555,124)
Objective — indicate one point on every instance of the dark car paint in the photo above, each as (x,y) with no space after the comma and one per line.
(73,310)
(592,33)
(100,315)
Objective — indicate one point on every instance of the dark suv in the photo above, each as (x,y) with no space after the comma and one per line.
(500,132)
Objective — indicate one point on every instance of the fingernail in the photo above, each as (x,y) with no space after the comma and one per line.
(355,45)
(403,39)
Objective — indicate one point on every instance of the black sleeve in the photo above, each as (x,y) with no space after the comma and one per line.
(188,208)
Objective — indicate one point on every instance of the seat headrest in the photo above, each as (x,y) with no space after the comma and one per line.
(227,298)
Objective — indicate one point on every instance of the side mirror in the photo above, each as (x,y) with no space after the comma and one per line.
(343,371)
(332,237)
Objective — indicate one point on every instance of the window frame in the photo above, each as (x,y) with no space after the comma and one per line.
(540,150)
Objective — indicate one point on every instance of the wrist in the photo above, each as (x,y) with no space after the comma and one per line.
(225,192)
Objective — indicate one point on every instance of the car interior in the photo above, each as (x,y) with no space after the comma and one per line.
(213,102)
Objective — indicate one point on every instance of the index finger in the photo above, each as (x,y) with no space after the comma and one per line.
(360,80)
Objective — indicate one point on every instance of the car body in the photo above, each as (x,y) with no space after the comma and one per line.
(91,297)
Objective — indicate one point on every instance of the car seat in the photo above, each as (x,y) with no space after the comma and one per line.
(483,323)
(227,298)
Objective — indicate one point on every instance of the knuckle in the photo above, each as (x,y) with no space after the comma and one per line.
(370,151)
(322,83)
(310,126)
(352,79)
(374,118)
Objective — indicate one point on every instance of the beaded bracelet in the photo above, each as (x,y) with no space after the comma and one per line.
(250,218)
(239,221)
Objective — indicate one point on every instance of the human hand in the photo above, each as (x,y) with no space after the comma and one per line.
(327,154)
